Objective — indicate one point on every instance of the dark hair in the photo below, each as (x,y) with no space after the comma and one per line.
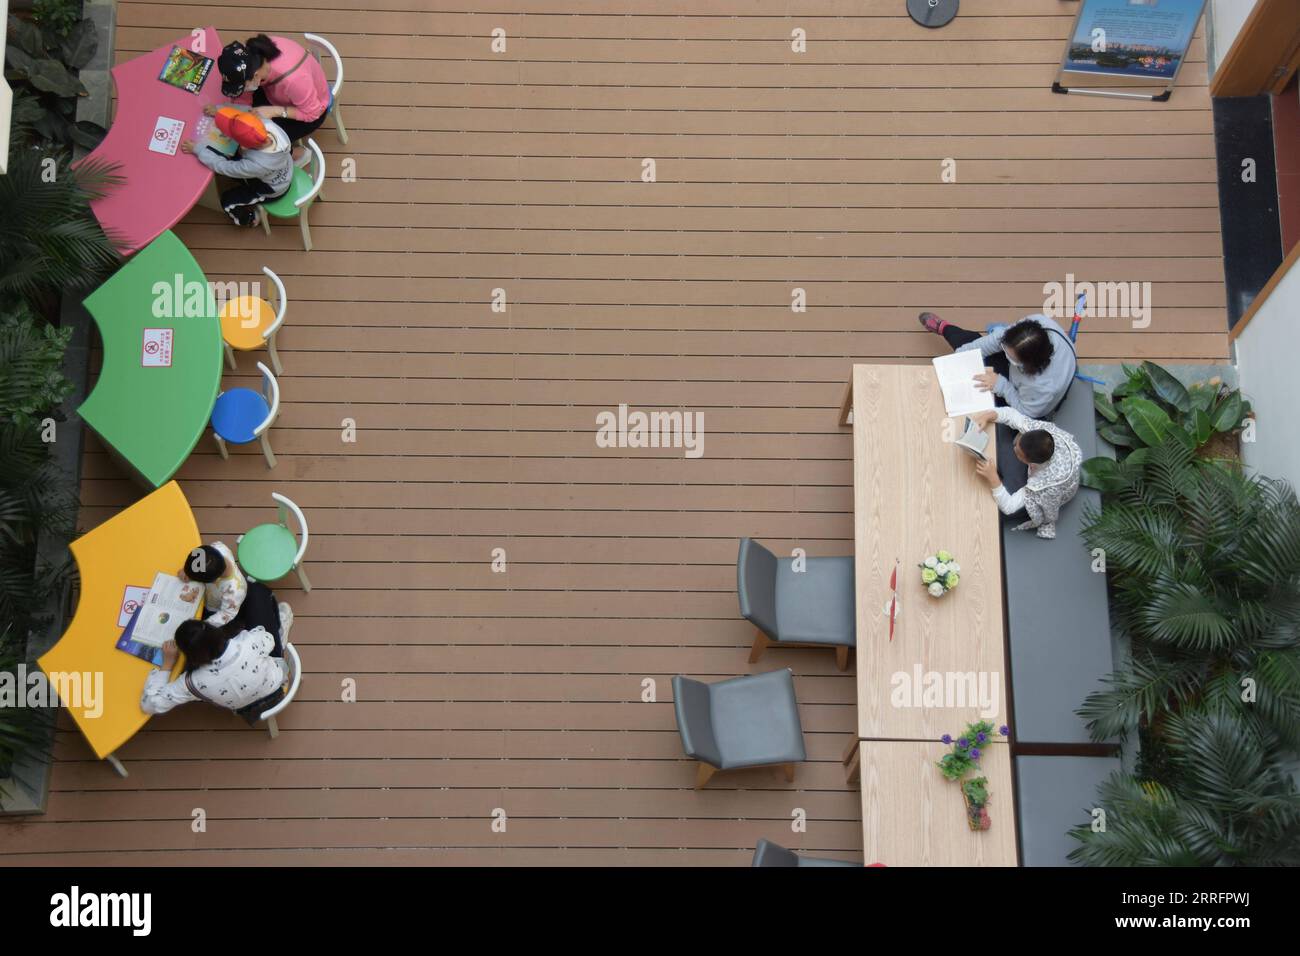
(1032,344)
(1037,445)
(261,48)
(201,642)
(205,564)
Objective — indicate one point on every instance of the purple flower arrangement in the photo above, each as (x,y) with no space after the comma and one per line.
(964,760)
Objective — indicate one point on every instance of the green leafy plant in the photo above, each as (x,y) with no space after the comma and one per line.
(19,726)
(1204,569)
(967,749)
(34,497)
(1204,565)
(31,380)
(976,792)
(51,242)
(59,15)
(1233,802)
(1151,404)
(41,63)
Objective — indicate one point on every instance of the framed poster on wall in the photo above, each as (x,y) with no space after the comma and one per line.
(1139,40)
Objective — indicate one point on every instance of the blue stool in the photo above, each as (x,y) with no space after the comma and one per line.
(242,416)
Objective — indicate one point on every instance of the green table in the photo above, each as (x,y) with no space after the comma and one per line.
(162,359)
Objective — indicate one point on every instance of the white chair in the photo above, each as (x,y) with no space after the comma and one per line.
(297,199)
(242,416)
(295,678)
(250,322)
(270,551)
(316,43)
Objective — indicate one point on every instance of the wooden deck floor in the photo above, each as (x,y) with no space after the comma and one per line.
(522,171)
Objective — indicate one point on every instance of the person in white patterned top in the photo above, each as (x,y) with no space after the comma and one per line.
(241,670)
(1054,461)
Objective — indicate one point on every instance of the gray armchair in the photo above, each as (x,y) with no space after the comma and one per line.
(742,722)
(768,853)
(814,607)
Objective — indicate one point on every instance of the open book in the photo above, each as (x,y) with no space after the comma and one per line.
(973,440)
(956,373)
(169,602)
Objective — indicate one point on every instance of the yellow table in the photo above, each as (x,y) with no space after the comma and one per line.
(155,534)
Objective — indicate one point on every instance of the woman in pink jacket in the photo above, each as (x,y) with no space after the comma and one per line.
(281,80)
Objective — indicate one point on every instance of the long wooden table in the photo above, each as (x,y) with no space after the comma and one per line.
(945,667)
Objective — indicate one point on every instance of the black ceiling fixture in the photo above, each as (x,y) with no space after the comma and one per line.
(932,13)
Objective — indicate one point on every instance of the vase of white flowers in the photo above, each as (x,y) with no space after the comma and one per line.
(940,573)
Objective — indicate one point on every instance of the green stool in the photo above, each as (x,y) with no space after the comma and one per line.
(270,551)
(297,199)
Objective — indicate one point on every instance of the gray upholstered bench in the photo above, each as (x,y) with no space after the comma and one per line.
(1055,794)
(1057,617)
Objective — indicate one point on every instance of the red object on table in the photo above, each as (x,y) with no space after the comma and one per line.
(893,601)
(159,188)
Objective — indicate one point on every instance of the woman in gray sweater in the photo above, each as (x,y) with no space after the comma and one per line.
(1030,364)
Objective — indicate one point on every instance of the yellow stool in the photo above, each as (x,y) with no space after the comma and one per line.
(249,322)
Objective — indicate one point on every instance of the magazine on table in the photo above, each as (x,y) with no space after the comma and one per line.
(185,69)
(133,647)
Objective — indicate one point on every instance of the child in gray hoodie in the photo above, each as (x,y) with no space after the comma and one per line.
(263,163)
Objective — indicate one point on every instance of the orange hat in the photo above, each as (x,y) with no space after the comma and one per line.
(246,129)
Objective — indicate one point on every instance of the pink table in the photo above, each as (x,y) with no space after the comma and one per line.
(159,189)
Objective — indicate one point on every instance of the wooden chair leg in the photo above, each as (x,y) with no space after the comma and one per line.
(306,229)
(270,457)
(272,728)
(842,657)
(788,770)
(116,765)
(704,774)
(221,445)
(230,357)
(302,578)
(761,642)
(275,356)
(266,220)
(342,132)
